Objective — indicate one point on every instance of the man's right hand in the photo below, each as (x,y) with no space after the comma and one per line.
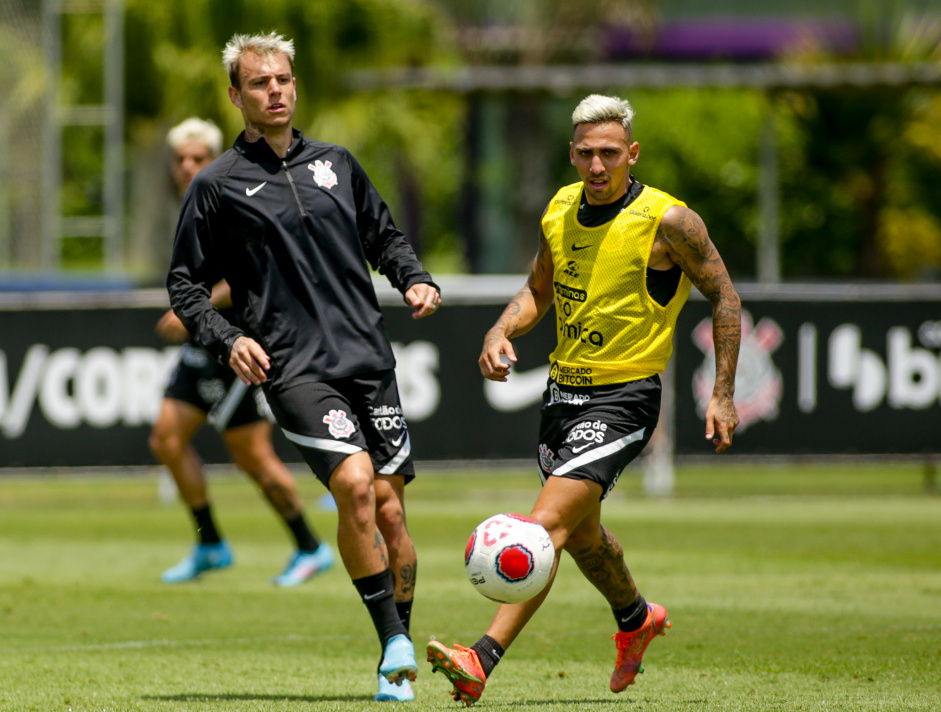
(249,361)
(497,356)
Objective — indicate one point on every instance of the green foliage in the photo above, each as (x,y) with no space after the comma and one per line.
(408,146)
(702,147)
(860,168)
(177,46)
(860,200)
(789,588)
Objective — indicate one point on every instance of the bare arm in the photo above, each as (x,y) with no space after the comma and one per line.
(683,239)
(521,314)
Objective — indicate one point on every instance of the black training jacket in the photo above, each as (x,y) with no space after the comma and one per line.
(292,237)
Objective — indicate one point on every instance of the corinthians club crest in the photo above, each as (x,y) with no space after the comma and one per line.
(340,425)
(323,174)
(758,382)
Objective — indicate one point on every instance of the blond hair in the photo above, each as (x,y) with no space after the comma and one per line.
(261,44)
(193,129)
(598,109)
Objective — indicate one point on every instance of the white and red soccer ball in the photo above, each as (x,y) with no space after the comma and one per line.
(509,558)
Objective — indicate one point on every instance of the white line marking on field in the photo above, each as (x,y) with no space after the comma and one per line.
(132,644)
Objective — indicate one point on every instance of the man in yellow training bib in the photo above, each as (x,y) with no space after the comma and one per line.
(618,259)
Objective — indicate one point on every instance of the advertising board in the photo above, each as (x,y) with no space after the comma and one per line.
(821,372)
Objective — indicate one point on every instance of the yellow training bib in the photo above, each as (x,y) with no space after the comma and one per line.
(609,329)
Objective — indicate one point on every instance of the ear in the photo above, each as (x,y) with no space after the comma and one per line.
(572,152)
(634,152)
(235,97)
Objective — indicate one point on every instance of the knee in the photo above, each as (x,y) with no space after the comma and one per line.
(355,496)
(553,524)
(165,444)
(390,517)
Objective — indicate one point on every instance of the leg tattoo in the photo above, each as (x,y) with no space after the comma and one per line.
(602,563)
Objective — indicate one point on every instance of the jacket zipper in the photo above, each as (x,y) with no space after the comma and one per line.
(294,189)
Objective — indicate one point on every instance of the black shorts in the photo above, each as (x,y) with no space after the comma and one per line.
(331,420)
(213,388)
(593,432)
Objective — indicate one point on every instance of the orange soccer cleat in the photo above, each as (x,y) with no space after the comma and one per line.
(631,646)
(462,667)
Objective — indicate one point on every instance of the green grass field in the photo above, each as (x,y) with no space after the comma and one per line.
(789,588)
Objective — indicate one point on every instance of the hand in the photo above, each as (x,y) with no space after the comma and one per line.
(497,356)
(721,421)
(171,329)
(423,299)
(249,361)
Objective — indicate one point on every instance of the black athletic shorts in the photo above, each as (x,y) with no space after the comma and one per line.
(593,432)
(213,387)
(330,420)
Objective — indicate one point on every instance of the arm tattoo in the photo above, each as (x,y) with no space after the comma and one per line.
(688,244)
(509,320)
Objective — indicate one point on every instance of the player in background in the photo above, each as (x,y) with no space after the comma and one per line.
(302,225)
(202,388)
(618,259)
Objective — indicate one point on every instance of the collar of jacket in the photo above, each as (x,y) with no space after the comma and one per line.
(260,150)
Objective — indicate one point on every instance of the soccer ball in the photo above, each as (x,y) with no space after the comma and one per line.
(509,558)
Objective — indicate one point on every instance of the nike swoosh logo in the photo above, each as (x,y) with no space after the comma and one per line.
(577,450)
(371,596)
(521,390)
(251,191)
(397,442)
(576,248)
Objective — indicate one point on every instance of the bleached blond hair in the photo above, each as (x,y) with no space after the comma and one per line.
(193,129)
(599,109)
(264,45)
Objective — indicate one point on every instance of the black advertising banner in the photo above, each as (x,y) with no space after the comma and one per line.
(819,377)
(82,386)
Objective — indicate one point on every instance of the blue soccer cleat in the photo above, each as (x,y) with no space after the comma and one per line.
(398,660)
(305,565)
(394,693)
(203,557)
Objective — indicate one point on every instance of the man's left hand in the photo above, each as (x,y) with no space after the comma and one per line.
(721,421)
(423,299)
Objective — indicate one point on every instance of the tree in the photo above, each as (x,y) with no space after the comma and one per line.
(860,202)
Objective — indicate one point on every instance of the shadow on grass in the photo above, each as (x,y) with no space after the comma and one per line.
(565,704)
(254,697)
(582,703)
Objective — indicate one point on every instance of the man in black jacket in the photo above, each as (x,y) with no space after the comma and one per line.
(293,224)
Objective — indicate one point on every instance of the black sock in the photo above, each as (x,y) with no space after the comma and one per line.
(489,652)
(404,609)
(205,526)
(633,616)
(306,541)
(376,593)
